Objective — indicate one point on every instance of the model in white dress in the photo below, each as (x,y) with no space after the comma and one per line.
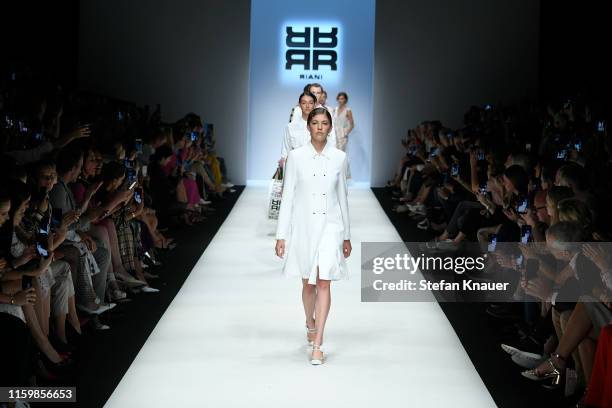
(314,217)
(313,233)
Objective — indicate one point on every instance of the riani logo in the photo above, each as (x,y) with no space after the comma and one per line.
(311,52)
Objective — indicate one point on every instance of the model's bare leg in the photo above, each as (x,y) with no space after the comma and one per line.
(308,299)
(323,303)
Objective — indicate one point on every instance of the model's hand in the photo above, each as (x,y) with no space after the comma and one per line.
(280,248)
(346,248)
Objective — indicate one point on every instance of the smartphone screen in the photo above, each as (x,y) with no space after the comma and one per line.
(519,260)
(525,233)
(455,169)
(137,197)
(521,206)
(138,146)
(194,136)
(601,126)
(481,155)
(41,251)
(492,242)
(562,154)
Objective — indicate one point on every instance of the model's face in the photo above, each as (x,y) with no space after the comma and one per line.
(319,127)
(307,105)
(5,207)
(316,91)
(47,177)
(323,99)
(341,100)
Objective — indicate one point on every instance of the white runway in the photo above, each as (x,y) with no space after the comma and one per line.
(234,335)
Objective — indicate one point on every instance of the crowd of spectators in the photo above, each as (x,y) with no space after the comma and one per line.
(528,175)
(91,189)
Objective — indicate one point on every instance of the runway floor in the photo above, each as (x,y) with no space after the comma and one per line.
(234,335)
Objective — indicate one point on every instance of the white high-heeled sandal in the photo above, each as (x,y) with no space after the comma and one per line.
(308,331)
(316,361)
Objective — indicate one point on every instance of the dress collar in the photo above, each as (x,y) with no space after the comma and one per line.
(326,152)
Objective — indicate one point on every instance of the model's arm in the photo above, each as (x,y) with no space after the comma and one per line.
(349,116)
(343,199)
(286,146)
(286,208)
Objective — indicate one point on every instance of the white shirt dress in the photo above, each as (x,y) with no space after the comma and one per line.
(314,218)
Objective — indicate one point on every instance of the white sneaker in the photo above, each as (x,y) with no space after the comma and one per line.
(227,185)
(205,202)
(148,289)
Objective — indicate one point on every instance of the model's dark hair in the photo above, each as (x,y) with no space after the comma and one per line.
(307,88)
(314,98)
(342,94)
(319,111)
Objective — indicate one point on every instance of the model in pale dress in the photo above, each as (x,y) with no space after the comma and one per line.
(296,133)
(313,233)
(344,123)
